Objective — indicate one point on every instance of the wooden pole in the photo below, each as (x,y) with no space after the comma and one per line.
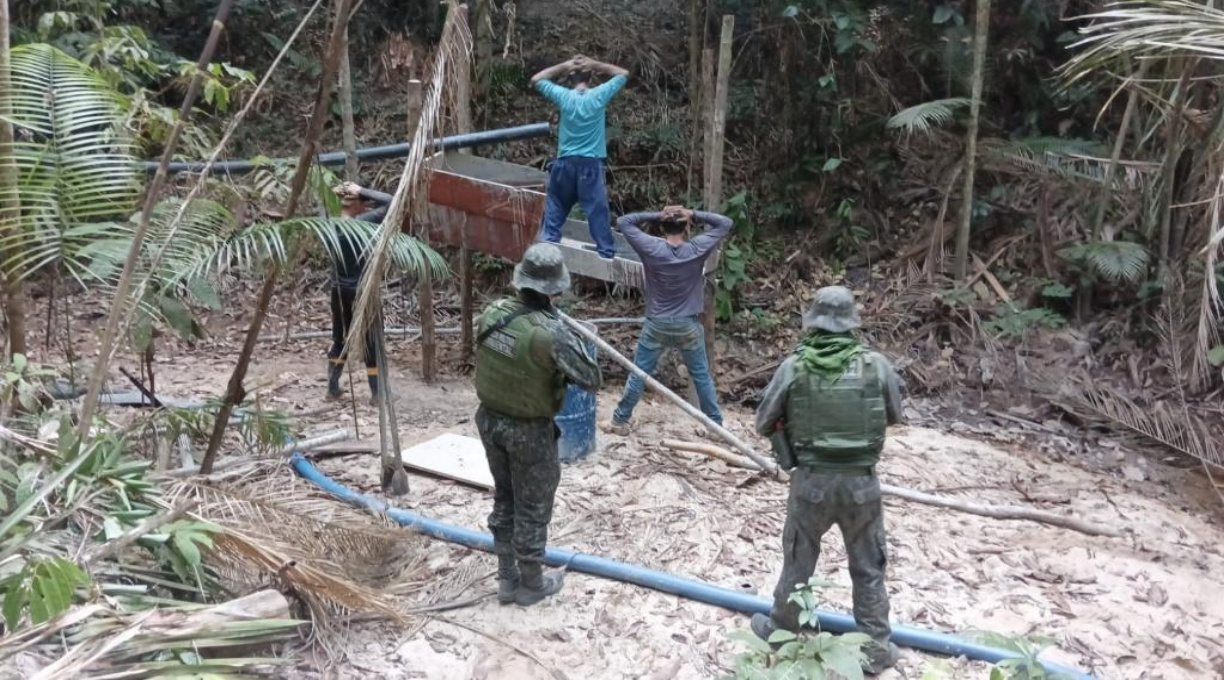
(714,185)
(429,342)
(982,510)
(10,198)
(234,391)
(484,49)
(463,124)
(348,129)
(696,41)
(981,32)
(674,398)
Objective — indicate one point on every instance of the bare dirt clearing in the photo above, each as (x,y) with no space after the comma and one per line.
(1142,606)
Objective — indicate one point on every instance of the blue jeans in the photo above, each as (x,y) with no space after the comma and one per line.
(661,333)
(576,179)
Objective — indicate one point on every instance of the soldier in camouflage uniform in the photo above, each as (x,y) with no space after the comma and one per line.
(831,402)
(525,357)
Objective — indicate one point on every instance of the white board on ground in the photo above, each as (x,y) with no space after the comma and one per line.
(452,456)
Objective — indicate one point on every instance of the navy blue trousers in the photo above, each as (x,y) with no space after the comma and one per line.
(576,179)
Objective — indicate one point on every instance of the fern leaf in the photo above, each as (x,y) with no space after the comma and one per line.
(1121,261)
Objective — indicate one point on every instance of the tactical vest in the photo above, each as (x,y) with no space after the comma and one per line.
(508,380)
(841,423)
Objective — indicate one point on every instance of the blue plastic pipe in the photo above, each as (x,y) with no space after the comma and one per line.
(373,153)
(906,636)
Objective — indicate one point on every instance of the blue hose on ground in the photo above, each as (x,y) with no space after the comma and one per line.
(906,636)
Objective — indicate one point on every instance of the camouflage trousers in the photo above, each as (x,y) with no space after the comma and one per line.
(819,500)
(523,459)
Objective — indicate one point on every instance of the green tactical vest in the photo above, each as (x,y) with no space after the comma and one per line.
(839,424)
(508,380)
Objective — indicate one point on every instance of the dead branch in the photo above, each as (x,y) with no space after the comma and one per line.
(982,510)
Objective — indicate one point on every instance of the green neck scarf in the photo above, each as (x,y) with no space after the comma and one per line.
(828,354)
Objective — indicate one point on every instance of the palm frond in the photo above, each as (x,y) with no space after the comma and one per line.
(76,172)
(1176,428)
(1146,29)
(1112,260)
(73,157)
(268,241)
(921,118)
(333,562)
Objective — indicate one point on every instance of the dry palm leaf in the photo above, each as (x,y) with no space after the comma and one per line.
(331,563)
(1179,430)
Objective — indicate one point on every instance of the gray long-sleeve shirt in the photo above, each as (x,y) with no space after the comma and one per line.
(675,282)
(773,400)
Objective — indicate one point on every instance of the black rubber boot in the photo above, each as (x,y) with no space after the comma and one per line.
(763,626)
(507,579)
(535,585)
(334,372)
(373,379)
(880,658)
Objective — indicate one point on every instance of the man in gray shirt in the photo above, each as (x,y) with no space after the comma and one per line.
(675,296)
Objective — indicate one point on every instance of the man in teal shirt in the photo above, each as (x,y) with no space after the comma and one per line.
(577,174)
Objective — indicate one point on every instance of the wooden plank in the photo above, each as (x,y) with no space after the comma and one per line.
(452,456)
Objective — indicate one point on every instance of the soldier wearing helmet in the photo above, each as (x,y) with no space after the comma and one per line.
(831,402)
(525,357)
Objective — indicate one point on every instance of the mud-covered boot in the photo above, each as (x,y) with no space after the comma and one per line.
(507,579)
(335,371)
(535,585)
(879,658)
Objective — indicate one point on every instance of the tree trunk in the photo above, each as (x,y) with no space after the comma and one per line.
(349,131)
(1111,171)
(981,34)
(10,198)
(484,50)
(714,185)
(696,42)
(119,304)
(1173,148)
(235,392)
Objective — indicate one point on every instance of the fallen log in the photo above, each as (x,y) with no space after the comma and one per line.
(1015,512)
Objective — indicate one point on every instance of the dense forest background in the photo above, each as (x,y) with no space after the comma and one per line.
(1095,207)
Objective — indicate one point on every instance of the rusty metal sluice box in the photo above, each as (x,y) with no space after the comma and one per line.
(496,207)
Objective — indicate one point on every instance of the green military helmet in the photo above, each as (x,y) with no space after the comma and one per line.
(542,270)
(833,310)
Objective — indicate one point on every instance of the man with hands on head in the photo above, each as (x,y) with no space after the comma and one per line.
(577,174)
(674,268)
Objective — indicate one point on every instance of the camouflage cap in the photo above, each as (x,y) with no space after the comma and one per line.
(833,310)
(542,270)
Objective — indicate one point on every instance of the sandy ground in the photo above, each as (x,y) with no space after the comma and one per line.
(1143,606)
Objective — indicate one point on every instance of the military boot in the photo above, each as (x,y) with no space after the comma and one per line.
(507,579)
(879,658)
(535,585)
(334,372)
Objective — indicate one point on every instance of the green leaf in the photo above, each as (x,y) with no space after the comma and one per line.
(790,12)
(202,291)
(997,673)
(781,635)
(750,640)
(177,315)
(187,548)
(1216,355)
(831,165)
(111,529)
(19,363)
(844,661)
(942,14)
(15,599)
(812,669)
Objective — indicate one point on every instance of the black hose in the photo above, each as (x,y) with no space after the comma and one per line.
(373,153)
